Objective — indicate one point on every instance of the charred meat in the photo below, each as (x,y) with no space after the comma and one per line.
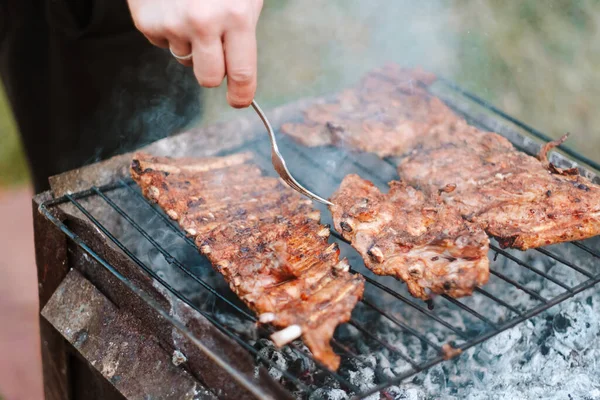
(264,238)
(411,236)
(525,202)
(390,112)
(385,114)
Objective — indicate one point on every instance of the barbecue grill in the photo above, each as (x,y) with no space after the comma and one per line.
(124,263)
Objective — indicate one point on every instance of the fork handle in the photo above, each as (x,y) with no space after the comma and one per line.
(267,124)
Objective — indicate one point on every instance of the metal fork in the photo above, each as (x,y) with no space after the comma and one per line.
(279,162)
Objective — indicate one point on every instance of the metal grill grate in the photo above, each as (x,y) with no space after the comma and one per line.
(507,268)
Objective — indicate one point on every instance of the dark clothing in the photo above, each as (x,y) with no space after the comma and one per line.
(85,85)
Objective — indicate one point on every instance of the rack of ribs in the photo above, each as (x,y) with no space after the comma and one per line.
(264,238)
(411,236)
(385,114)
(525,202)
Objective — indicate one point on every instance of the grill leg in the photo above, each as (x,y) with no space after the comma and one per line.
(51,260)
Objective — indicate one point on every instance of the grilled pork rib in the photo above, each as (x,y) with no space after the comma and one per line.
(386,114)
(413,237)
(264,238)
(522,201)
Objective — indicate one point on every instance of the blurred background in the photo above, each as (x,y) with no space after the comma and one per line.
(536,60)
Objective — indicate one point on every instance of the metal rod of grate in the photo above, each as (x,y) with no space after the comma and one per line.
(99,192)
(374,177)
(176,229)
(173,260)
(466,339)
(180,232)
(231,370)
(180,296)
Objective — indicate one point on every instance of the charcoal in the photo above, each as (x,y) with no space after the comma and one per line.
(276,358)
(328,394)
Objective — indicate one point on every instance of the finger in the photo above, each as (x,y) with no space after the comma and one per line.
(181,48)
(158,41)
(240,59)
(209,63)
(258,5)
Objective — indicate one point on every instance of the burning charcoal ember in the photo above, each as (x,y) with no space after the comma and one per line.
(535,284)
(326,380)
(349,333)
(264,238)
(400,351)
(401,369)
(410,347)
(412,237)
(262,343)
(449,351)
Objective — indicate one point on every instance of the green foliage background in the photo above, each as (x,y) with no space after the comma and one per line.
(13,168)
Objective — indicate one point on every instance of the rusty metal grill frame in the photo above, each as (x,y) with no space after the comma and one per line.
(261,149)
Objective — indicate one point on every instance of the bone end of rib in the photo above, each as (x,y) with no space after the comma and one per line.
(192,231)
(285,336)
(324,232)
(342,265)
(331,248)
(376,254)
(153,192)
(173,214)
(265,318)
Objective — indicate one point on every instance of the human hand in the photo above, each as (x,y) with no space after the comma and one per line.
(221,35)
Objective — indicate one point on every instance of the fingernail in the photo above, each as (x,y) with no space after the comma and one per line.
(236,102)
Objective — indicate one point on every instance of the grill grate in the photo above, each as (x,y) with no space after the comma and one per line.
(306,165)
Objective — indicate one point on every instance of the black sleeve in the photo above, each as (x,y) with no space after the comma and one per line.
(76,18)
(85,85)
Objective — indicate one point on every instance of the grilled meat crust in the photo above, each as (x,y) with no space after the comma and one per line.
(385,114)
(265,239)
(513,196)
(413,237)
(523,201)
